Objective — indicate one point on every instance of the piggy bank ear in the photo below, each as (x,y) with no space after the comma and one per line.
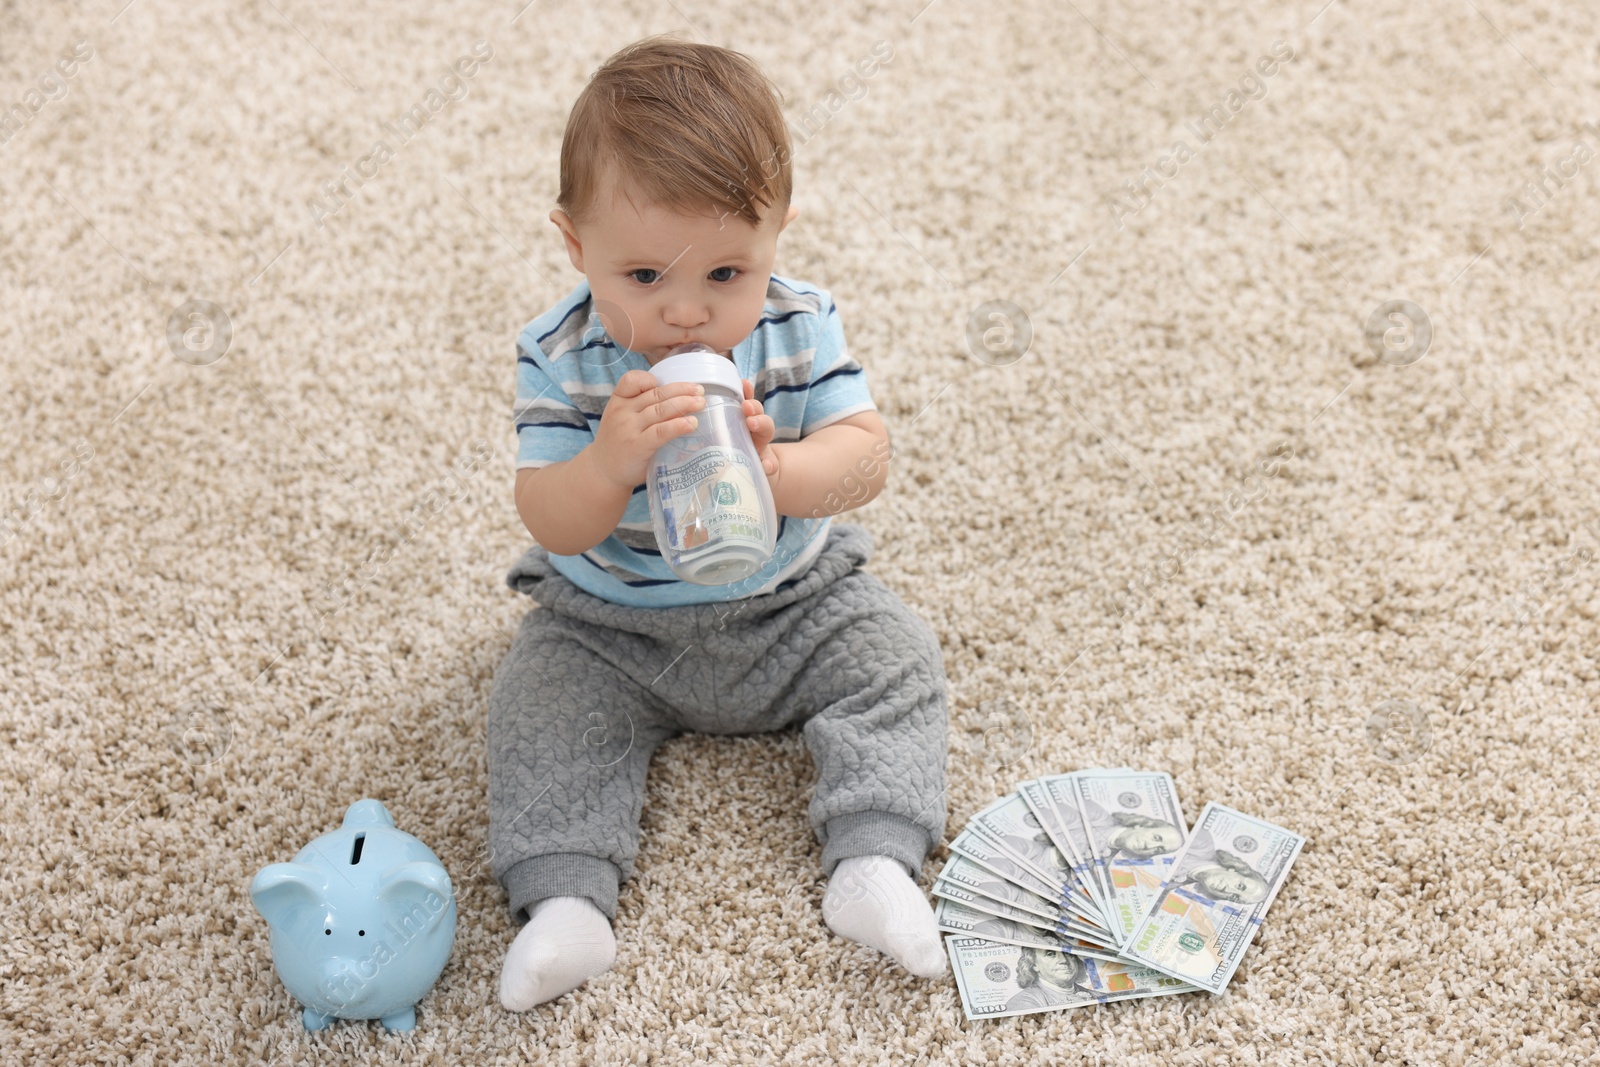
(280,889)
(418,883)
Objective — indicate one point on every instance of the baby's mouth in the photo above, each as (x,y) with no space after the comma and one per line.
(661,353)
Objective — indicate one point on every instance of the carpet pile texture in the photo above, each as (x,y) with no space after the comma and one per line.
(1209,500)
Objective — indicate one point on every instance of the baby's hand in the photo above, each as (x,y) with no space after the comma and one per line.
(641,416)
(761,430)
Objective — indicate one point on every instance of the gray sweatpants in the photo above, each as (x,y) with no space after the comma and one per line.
(589,688)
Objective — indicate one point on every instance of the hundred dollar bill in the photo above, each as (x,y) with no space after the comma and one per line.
(964,872)
(1061,927)
(997,980)
(1013,826)
(1215,895)
(1062,791)
(977,881)
(1052,801)
(1135,829)
(956,918)
(983,851)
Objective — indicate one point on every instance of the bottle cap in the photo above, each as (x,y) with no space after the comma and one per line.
(701,364)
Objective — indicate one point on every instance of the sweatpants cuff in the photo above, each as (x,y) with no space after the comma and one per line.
(562,874)
(875,833)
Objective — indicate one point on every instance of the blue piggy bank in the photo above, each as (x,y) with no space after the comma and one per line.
(362,921)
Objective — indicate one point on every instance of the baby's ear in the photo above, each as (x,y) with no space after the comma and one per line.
(569,234)
(788,217)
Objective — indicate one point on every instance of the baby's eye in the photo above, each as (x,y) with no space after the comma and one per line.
(643,281)
(730,277)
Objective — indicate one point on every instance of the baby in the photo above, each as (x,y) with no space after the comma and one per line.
(675,184)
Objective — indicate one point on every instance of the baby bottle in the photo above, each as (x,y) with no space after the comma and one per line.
(709,499)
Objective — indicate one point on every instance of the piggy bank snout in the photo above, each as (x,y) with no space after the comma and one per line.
(342,984)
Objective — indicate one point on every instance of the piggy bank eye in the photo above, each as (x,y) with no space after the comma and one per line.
(328,932)
(361,933)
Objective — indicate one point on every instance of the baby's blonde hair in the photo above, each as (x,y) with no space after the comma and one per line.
(684,126)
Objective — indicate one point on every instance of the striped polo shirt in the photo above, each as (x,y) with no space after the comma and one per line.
(567,367)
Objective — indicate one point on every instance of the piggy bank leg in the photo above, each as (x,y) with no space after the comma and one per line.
(315,1020)
(401,1020)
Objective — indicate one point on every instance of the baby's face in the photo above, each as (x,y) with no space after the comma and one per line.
(661,279)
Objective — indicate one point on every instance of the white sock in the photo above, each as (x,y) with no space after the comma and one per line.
(873,901)
(566,941)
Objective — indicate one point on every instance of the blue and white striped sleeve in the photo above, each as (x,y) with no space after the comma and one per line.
(838,387)
(549,427)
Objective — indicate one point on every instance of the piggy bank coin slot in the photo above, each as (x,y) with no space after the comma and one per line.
(355,854)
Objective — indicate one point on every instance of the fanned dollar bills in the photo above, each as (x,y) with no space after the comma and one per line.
(1085,888)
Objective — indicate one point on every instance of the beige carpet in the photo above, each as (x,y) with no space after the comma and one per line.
(240,591)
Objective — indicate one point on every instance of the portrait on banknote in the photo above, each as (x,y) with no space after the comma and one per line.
(1128,833)
(1227,877)
(1040,851)
(1050,980)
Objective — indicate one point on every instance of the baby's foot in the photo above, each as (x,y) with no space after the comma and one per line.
(873,901)
(566,941)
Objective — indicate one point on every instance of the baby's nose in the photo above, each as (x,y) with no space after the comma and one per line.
(686,316)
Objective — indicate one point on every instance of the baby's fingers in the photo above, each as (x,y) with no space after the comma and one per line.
(670,406)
